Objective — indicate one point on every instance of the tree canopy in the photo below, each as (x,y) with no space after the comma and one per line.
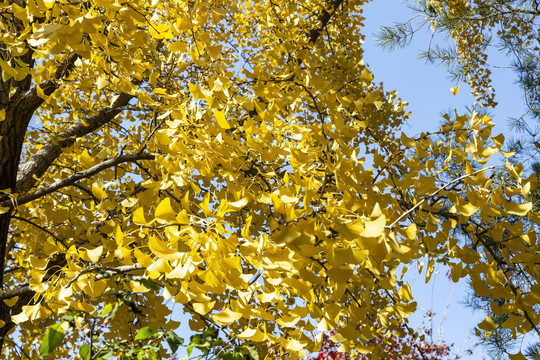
(237,158)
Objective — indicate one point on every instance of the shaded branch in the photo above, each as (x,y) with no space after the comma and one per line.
(22,290)
(324,18)
(70,180)
(25,289)
(39,227)
(19,347)
(44,157)
(30,100)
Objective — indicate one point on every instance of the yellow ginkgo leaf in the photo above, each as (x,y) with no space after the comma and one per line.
(220,117)
(161,266)
(227,316)
(12,301)
(407,141)
(518,209)
(178,46)
(374,228)
(488,324)
(410,232)
(247,334)
(98,191)
(429,269)
(517,356)
(164,211)
(86,160)
(161,249)
(467,209)
(139,217)
(203,308)
(143,259)
(350,230)
(237,205)
(294,345)
(214,51)
(94,254)
(513,322)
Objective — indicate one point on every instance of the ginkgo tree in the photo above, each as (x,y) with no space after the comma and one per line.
(237,158)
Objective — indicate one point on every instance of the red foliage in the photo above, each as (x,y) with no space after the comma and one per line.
(424,350)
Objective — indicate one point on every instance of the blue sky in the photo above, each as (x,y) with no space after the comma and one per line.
(426,86)
(427,89)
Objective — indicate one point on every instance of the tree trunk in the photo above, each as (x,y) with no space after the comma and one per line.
(12,134)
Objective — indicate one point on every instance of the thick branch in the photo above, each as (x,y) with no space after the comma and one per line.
(324,18)
(108,272)
(41,161)
(30,101)
(22,290)
(70,180)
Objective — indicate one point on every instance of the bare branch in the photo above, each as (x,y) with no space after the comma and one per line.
(70,180)
(41,161)
(22,290)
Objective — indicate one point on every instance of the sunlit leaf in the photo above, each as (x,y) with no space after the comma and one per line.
(227,316)
(52,339)
(144,333)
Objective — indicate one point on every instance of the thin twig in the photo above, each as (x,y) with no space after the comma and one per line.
(17,346)
(111,271)
(39,227)
(405,214)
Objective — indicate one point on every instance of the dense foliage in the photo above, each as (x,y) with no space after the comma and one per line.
(237,158)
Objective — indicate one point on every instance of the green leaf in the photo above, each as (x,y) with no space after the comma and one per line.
(189,351)
(173,340)
(53,338)
(149,284)
(231,355)
(153,353)
(252,351)
(107,309)
(103,273)
(216,342)
(84,352)
(115,309)
(195,339)
(226,355)
(105,355)
(211,331)
(144,333)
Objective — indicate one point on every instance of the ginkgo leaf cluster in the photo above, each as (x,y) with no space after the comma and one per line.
(239,159)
